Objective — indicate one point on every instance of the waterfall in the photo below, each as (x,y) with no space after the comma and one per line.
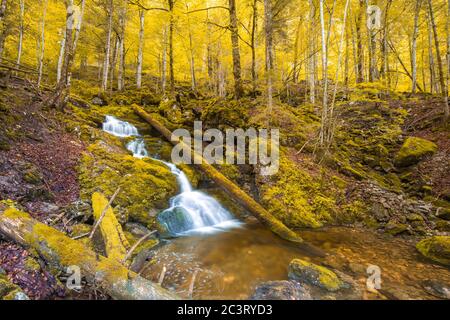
(191,211)
(119,128)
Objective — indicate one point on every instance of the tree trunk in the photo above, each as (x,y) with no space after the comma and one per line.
(432,69)
(414,45)
(108,47)
(324,123)
(440,64)
(238,91)
(228,186)
(21,30)
(171,62)
(61,58)
(164,62)
(141,49)
(269,52)
(253,46)
(79,25)
(312,65)
(359,44)
(122,26)
(61,252)
(191,54)
(3,27)
(42,44)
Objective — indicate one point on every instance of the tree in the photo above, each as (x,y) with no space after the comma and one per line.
(109,9)
(414,44)
(238,90)
(141,48)
(21,30)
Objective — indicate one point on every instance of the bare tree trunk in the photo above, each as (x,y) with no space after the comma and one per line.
(42,44)
(312,65)
(171,62)
(414,45)
(21,30)
(3,27)
(191,53)
(61,58)
(122,26)
(296,71)
(324,124)
(253,47)
(141,49)
(108,47)
(359,45)
(79,25)
(439,61)
(113,62)
(373,68)
(238,91)
(433,83)
(269,52)
(385,46)
(164,62)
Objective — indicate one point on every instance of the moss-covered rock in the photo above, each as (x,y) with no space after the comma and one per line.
(146,184)
(395,228)
(310,273)
(413,151)
(173,221)
(436,248)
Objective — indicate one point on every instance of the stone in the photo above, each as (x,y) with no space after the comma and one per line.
(436,248)
(437,289)
(310,273)
(413,151)
(136,229)
(281,290)
(394,228)
(173,221)
(443,213)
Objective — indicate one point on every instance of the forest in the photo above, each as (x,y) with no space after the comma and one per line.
(328,119)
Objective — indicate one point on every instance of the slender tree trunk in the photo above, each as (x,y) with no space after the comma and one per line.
(42,44)
(312,65)
(414,45)
(253,47)
(433,83)
(439,61)
(269,51)
(141,49)
(171,57)
(324,125)
(296,71)
(359,45)
(385,46)
(113,62)
(61,58)
(191,53)
(21,30)
(164,62)
(122,25)
(209,57)
(238,91)
(3,27)
(108,47)
(373,68)
(79,25)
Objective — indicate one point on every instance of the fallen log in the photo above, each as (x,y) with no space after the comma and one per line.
(228,186)
(61,252)
(116,244)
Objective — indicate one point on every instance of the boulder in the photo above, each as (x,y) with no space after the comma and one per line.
(310,273)
(394,228)
(173,221)
(436,248)
(281,290)
(413,151)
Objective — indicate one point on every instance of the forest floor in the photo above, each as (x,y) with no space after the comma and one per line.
(40,157)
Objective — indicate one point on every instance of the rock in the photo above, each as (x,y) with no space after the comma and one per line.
(394,228)
(309,273)
(442,225)
(380,212)
(281,290)
(99,101)
(173,221)
(10,291)
(443,213)
(413,151)
(436,248)
(414,217)
(150,100)
(437,289)
(136,229)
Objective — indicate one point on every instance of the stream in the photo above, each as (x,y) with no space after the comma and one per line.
(230,258)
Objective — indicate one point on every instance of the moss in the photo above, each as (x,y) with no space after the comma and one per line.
(297,198)
(31,264)
(413,151)
(394,228)
(146,185)
(313,274)
(436,248)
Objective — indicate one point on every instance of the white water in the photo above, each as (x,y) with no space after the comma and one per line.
(206,213)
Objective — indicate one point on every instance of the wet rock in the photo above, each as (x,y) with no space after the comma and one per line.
(437,289)
(309,273)
(99,101)
(436,248)
(281,290)
(173,221)
(413,151)
(394,228)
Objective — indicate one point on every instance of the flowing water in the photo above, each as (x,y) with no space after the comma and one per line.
(229,264)
(202,213)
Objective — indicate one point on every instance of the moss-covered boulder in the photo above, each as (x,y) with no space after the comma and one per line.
(413,151)
(310,273)
(146,184)
(173,221)
(436,248)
